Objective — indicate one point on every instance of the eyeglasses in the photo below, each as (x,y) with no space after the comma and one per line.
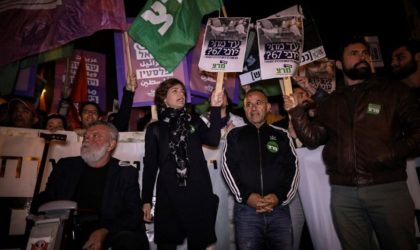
(90,112)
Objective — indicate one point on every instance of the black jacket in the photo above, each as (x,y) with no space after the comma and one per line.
(369,130)
(181,211)
(260,160)
(121,206)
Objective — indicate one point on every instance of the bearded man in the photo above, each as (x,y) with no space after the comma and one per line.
(370,127)
(106,190)
(406,64)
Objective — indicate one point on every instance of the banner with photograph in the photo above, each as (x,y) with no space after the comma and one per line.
(149,73)
(320,73)
(375,51)
(202,83)
(252,72)
(224,44)
(312,46)
(280,43)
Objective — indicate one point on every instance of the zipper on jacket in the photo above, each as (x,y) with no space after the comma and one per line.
(352,110)
(353,131)
(260,158)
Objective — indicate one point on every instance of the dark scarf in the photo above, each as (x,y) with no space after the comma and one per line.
(179,121)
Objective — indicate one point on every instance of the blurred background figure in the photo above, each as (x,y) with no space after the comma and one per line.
(405,64)
(302,98)
(22,114)
(229,120)
(55,122)
(89,113)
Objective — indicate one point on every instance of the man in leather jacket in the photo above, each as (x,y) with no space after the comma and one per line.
(369,127)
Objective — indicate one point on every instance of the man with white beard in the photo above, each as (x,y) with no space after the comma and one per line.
(106,191)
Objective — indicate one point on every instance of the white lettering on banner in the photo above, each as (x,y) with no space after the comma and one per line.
(152,73)
(91,92)
(148,63)
(141,52)
(74,65)
(158,16)
(146,83)
(92,67)
(250,77)
(92,98)
(312,55)
(93,82)
(92,74)
(91,60)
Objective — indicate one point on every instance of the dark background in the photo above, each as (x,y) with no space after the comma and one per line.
(334,19)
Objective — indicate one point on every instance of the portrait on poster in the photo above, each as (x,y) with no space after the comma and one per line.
(224,44)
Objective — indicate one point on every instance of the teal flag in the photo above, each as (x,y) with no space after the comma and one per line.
(168,29)
(8,74)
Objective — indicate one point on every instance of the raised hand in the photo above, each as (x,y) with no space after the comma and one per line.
(303,82)
(131,84)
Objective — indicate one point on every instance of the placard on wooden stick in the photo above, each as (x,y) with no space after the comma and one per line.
(219,82)
(286,86)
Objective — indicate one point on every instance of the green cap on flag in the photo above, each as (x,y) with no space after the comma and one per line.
(169,28)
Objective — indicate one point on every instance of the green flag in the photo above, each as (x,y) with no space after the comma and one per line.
(168,29)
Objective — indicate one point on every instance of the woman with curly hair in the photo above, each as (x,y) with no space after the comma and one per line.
(184,194)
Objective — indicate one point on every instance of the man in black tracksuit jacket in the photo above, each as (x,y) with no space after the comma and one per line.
(260,168)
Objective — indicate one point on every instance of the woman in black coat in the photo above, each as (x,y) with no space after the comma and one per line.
(185,204)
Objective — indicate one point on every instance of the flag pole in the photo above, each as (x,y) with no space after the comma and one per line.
(224,11)
(153,108)
(219,82)
(220,75)
(128,56)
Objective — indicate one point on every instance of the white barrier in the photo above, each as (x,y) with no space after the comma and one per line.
(21,152)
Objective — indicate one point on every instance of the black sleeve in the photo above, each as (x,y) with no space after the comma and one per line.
(150,161)
(122,119)
(211,135)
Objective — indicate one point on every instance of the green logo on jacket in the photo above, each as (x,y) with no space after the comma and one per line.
(272,146)
(373,109)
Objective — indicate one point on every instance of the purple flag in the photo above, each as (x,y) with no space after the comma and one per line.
(38,26)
